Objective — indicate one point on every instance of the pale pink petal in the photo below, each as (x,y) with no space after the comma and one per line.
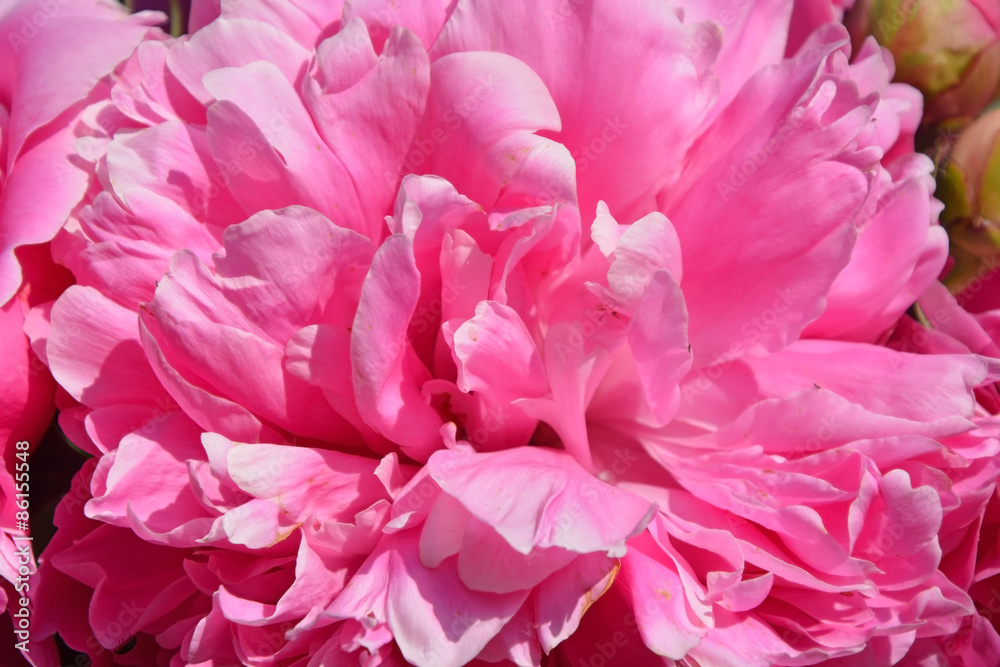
(434,618)
(646,246)
(306,482)
(424,19)
(172,160)
(658,337)
(483,111)
(225,331)
(303,20)
(659,608)
(130,249)
(882,380)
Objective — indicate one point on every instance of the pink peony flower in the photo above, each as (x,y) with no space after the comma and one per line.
(467,333)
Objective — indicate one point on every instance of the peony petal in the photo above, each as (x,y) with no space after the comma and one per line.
(232,42)
(273,155)
(597,62)
(756,295)
(94,352)
(388,376)
(389,93)
(435,620)
(494,352)
(540,498)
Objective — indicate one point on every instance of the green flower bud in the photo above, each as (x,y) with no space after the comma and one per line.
(947,49)
(969,186)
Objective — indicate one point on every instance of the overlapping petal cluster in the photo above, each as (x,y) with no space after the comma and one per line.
(46,89)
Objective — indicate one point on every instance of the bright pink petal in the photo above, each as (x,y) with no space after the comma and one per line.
(897,257)
(753,37)
(789,243)
(57,67)
(39,194)
(388,376)
(273,154)
(146,481)
(232,42)
(596,62)
(495,353)
(917,387)
(539,498)
(389,92)
(93,351)
(561,601)
(26,387)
